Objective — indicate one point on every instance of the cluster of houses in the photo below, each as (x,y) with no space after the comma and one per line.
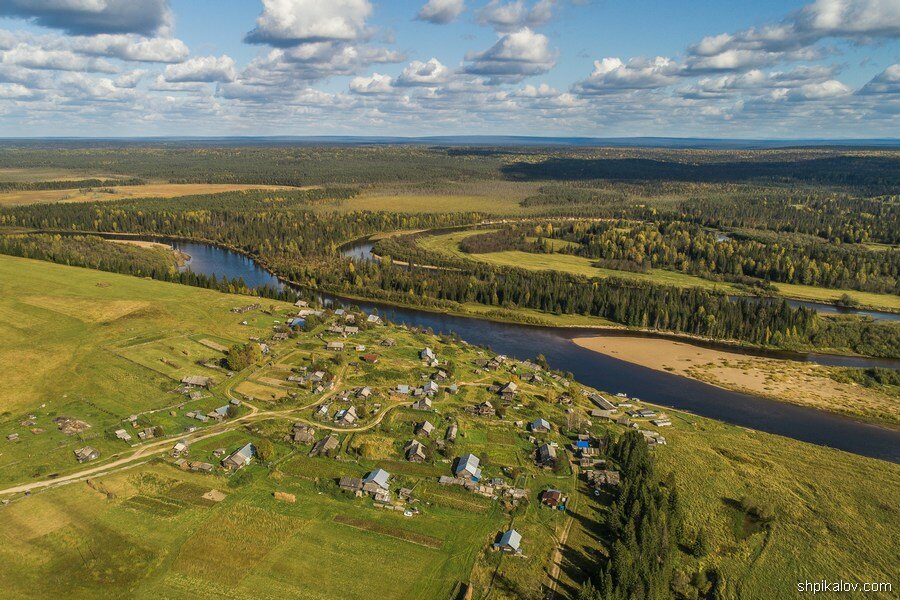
(216,414)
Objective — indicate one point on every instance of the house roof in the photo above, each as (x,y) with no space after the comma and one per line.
(540,424)
(243,455)
(511,538)
(379,477)
(468,463)
(546,452)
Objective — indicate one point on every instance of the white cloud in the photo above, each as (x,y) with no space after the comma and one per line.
(756,82)
(132,47)
(374,84)
(512,15)
(794,38)
(206,69)
(515,56)
(90,17)
(286,23)
(886,82)
(611,75)
(130,79)
(32,57)
(441,12)
(819,91)
(424,73)
(15,91)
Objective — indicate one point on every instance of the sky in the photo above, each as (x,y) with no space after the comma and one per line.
(603,68)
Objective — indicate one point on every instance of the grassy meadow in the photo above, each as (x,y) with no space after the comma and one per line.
(149,190)
(448,243)
(100,346)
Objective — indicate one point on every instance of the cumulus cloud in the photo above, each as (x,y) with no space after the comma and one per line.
(132,47)
(515,56)
(130,79)
(374,84)
(33,57)
(15,91)
(819,91)
(90,17)
(424,73)
(886,82)
(793,39)
(79,87)
(285,23)
(441,12)
(510,16)
(756,81)
(611,75)
(205,69)
(300,65)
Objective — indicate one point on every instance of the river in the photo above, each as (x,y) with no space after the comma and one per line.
(602,371)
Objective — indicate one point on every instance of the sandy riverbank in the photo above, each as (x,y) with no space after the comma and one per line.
(143,244)
(800,383)
(180,257)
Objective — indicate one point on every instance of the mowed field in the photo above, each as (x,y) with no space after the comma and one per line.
(150,190)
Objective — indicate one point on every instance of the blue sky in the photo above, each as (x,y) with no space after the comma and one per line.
(822,68)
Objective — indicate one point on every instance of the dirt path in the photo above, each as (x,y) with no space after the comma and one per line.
(165,444)
(558,553)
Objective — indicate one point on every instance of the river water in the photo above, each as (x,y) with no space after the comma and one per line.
(602,371)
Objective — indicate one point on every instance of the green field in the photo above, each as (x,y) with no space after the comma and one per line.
(576,265)
(579,265)
(93,342)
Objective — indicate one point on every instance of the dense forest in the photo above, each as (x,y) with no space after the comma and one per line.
(695,250)
(800,217)
(21,186)
(644,526)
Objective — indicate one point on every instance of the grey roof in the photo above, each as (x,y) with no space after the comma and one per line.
(468,463)
(511,538)
(540,424)
(379,477)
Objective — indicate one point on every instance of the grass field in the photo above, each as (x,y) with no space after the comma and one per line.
(888,302)
(495,198)
(150,190)
(34,174)
(578,265)
(92,341)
